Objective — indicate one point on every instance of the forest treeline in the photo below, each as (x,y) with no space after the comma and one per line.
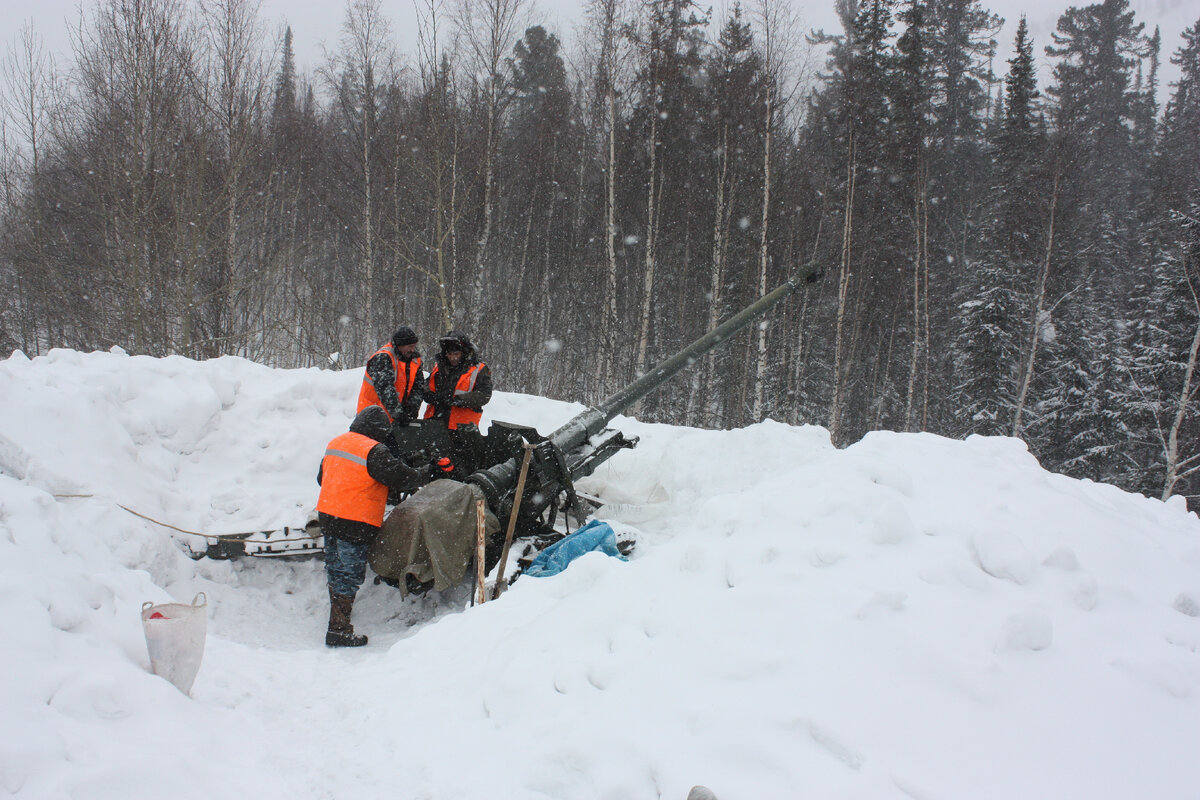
(1002,252)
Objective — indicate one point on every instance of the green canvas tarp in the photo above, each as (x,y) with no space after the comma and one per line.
(431,535)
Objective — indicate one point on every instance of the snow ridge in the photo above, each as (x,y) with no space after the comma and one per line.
(907,617)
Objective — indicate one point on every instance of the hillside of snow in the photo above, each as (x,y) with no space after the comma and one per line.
(910,617)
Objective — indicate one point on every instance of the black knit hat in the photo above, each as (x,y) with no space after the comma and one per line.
(372,422)
(404,335)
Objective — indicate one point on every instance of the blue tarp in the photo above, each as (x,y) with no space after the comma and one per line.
(594,536)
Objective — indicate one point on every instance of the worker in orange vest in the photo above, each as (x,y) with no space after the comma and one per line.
(355,475)
(459,386)
(393,372)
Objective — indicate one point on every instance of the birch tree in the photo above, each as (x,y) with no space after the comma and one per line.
(366,59)
(238,71)
(606,19)
(1037,312)
(670,53)
(490,29)
(737,71)
(135,187)
(27,85)
(431,249)
(1182,461)
(778,38)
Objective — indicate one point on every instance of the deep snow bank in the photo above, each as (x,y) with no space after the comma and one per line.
(908,617)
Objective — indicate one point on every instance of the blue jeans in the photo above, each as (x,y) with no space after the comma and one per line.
(345,565)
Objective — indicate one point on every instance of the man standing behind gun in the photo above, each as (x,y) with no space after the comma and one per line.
(355,475)
(392,373)
(460,385)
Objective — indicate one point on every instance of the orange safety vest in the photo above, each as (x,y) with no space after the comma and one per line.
(347,491)
(406,376)
(458,414)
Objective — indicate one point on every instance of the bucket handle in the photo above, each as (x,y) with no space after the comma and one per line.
(199,601)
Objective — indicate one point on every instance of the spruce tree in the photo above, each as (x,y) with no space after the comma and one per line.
(1097,48)
(283,106)
(961,45)
(1169,335)
(731,143)
(536,160)
(668,200)
(993,310)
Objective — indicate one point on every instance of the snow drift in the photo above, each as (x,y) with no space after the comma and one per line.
(910,617)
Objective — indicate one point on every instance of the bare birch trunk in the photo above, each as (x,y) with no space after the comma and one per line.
(760,369)
(605,25)
(28,80)
(919,229)
(835,406)
(235,35)
(232,290)
(447,297)
(1035,325)
(610,226)
(925,303)
(521,331)
(798,360)
(489,28)
(446,231)
(716,281)
(542,343)
(369,58)
(367,224)
(488,179)
(882,370)
(1185,398)
(643,341)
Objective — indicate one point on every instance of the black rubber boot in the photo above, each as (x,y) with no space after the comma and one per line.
(341,632)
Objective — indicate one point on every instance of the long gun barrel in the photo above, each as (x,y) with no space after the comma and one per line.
(576,448)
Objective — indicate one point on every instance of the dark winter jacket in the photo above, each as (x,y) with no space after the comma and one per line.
(383,466)
(440,395)
(382,373)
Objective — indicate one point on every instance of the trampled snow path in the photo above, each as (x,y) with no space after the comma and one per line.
(910,617)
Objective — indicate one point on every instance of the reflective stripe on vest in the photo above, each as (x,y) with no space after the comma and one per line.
(347,490)
(406,376)
(458,414)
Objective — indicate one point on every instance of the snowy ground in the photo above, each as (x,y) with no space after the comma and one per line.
(910,617)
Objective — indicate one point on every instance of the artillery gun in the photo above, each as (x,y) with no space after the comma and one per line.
(556,461)
(584,442)
(492,463)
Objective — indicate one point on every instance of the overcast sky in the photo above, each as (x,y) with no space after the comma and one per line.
(317,22)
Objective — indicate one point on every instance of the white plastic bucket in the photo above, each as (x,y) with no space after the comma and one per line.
(175,639)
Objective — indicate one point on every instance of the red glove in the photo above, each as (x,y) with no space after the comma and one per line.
(444,465)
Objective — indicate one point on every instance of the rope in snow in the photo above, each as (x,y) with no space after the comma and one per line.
(184,530)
